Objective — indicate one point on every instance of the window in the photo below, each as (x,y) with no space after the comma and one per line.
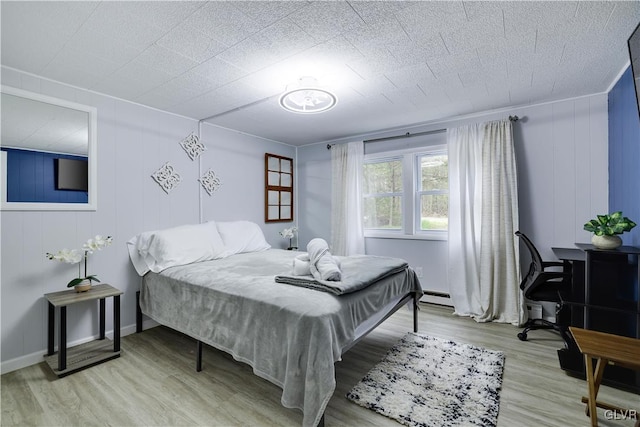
(406,194)
(383,194)
(432,195)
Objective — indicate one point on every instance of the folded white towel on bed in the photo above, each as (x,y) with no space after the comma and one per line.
(301,265)
(322,264)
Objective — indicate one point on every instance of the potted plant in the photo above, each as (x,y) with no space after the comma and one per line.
(606,228)
(289,233)
(81,283)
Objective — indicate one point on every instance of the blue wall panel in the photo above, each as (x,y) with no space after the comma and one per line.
(624,154)
(31,178)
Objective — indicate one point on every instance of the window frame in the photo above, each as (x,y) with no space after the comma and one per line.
(436,150)
(410,229)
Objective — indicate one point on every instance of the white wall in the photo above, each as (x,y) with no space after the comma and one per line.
(133,141)
(563,170)
(239,161)
(561,153)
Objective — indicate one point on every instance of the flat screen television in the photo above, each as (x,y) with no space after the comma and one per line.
(72,174)
(634,55)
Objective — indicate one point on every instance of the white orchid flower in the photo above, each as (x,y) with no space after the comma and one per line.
(90,246)
(288,233)
(70,256)
(97,243)
(74,256)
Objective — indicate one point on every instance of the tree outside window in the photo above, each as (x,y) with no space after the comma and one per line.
(383,194)
(433,191)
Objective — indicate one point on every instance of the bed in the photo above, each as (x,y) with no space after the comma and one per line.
(291,336)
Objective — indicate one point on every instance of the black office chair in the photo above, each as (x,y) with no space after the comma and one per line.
(542,285)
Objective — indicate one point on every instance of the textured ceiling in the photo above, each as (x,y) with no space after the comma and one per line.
(44,127)
(391,64)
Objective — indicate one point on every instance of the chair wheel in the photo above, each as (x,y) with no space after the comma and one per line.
(522,336)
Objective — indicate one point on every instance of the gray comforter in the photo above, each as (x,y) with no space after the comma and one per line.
(358,272)
(289,335)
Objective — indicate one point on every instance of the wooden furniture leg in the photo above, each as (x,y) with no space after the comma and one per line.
(593,380)
(590,410)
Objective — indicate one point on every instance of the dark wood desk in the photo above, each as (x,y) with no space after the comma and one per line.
(605,297)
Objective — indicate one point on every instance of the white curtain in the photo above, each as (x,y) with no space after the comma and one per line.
(347,233)
(465,199)
(484,256)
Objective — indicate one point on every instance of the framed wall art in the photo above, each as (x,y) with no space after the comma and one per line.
(278,193)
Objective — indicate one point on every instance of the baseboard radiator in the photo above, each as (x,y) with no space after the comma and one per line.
(439,298)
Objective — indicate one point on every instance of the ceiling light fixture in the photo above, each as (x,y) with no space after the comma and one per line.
(306,97)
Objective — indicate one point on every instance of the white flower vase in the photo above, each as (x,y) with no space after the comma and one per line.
(606,242)
(83,286)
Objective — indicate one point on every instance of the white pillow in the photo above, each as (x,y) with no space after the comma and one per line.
(242,236)
(157,250)
(137,260)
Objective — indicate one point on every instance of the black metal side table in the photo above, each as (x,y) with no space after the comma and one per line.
(88,354)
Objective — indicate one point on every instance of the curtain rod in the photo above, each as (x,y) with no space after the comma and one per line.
(409,135)
(406,135)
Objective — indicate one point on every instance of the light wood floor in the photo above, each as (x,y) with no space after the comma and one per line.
(155,383)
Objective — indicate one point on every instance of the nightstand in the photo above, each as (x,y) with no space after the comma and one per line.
(90,353)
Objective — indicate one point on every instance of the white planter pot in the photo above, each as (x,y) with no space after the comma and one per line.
(606,242)
(83,286)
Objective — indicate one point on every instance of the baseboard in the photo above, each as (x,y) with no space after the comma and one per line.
(38,356)
(22,362)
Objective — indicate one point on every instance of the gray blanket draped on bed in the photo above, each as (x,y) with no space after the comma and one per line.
(358,272)
(290,335)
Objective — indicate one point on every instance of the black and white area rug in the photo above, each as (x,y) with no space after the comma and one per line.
(432,382)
